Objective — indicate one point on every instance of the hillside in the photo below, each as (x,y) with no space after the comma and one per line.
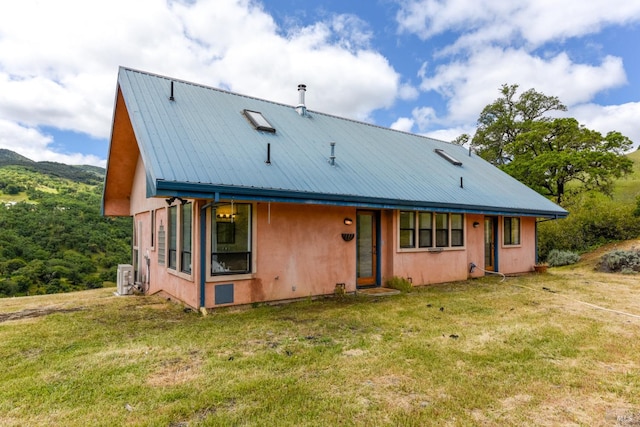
(84,173)
(53,238)
(628,188)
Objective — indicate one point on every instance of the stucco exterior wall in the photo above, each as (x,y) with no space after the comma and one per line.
(423,267)
(179,285)
(298,252)
(518,258)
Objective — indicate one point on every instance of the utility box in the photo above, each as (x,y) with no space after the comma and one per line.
(125,279)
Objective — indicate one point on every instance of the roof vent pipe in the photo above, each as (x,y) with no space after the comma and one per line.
(332,158)
(301,108)
(171,98)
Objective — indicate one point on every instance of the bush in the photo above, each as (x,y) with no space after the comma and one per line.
(593,221)
(399,283)
(620,261)
(557,258)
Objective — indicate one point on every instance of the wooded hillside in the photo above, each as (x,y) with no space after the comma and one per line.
(52,236)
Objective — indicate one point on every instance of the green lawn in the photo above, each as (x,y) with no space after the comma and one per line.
(482,352)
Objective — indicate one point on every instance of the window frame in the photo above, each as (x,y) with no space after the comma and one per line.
(251,242)
(510,220)
(177,220)
(421,229)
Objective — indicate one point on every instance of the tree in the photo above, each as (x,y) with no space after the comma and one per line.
(545,153)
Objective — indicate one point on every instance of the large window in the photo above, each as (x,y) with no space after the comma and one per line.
(180,237)
(511,230)
(440,230)
(231,239)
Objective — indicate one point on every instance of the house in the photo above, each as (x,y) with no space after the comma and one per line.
(238,200)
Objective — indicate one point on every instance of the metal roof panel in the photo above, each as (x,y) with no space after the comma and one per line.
(202,137)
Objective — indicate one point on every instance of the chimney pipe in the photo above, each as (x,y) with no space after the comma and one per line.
(301,108)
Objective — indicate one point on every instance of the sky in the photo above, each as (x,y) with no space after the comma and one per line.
(422,66)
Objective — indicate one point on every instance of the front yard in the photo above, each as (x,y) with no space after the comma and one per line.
(553,349)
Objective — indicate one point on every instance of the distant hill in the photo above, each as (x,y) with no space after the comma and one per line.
(8,157)
(52,235)
(86,174)
(628,188)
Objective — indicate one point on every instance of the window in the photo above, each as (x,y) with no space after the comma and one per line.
(426,229)
(231,239)
(153,228)
(449,230)
(511,230)
(173,236)
(407,229)
(185,237)
(258,121)
(457,230)
(442,230)
(180,237)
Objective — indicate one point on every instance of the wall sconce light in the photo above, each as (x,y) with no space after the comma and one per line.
(476,224)
(170,200)
(348,221)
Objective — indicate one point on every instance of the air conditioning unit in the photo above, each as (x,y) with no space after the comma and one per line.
(125,279)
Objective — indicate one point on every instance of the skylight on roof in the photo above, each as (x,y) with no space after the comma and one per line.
(448,157)
(258,121)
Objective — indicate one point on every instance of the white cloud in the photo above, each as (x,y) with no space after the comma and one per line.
(472,84)
(534,22)
(31,143)
(59,60)
(404,124)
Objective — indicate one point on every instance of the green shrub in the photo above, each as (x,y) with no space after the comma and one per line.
(399,283)
(557,258)
(593,221)
(620,261)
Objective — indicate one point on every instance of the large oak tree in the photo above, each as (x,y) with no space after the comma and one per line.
(547,153)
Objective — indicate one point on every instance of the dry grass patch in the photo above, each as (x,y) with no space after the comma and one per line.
(526,351)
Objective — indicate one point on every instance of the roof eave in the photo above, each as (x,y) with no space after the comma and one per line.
(226,192)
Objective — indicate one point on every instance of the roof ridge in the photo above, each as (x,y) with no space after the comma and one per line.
(281,104)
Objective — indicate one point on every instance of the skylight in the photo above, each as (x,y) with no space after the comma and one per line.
(258,121)
(448,157)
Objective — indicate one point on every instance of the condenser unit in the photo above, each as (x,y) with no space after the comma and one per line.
(125,279)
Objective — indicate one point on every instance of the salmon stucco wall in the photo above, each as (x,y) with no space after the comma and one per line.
(179,285)
(424,267)
(298,252)
(518,258)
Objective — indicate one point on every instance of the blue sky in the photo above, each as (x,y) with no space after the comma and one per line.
(422,66)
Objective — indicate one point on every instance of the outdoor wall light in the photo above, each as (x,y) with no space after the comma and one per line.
(348,221)
(476,224)
(170,200)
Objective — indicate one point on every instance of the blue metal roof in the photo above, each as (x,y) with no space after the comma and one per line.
(201,145)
